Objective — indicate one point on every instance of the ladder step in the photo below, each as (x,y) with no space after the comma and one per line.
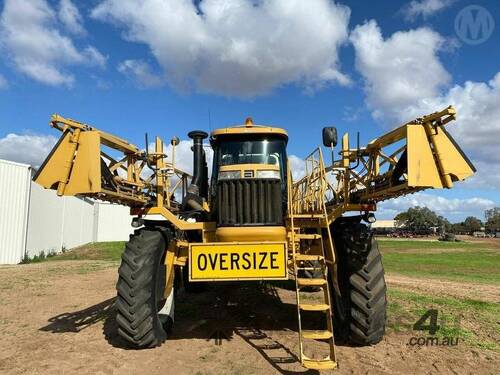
(315,307)
(299,257)
(307,236)
(316,334)
(310,282)
(319,364)
(309,216)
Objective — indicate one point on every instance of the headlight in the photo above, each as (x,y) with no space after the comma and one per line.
(268,174)
(228,175)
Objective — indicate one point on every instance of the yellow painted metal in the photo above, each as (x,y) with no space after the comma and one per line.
(417,155)
(238,261)
(321,365)
(75,167)
(311,282)
(249,234)
(245,129)
(249,167)
(170,259)
(109,140)
(452,162)
(422,169)
(316,334)
(52,171)
(181,224)
(86,169)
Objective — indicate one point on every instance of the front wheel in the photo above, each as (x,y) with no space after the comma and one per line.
(360,309)
(144,315)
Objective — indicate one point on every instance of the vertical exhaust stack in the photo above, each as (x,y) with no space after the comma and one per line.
(198,189)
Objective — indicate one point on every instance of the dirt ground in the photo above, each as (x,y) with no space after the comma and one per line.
(58,317)
(482,292)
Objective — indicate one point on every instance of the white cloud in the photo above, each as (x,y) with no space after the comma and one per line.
(237,48)
(454,209)
(400,70)
(31,40)
(28,149)
(141,73)
(71,18)
(298,167)
(478,115)
(405,79)
(4,84)
(424,8)
(184,156)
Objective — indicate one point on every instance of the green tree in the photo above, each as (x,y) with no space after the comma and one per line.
(472,224)
(421,219)
(444,224)
(458,228)
(492,219)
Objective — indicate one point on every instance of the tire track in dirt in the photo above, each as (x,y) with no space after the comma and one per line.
(474,291)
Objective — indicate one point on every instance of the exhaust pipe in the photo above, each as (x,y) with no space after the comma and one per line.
(198,188)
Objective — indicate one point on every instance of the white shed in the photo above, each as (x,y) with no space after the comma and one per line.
(33,219)
(15,181)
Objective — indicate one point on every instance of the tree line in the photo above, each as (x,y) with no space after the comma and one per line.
(421,219)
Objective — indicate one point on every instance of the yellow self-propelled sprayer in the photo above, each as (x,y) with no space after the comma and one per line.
(251,221)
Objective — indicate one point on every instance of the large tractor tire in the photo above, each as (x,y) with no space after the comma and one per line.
(144,315)
(360,309)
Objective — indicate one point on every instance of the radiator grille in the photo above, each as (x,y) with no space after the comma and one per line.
(249,202)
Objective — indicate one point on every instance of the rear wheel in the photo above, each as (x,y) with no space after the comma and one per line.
(144,315)
(360,309)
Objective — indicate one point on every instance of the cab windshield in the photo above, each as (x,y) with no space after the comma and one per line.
(258,150)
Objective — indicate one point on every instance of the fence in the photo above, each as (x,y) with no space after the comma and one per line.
(33,219)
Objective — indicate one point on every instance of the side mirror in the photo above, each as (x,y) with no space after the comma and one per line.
(330,136)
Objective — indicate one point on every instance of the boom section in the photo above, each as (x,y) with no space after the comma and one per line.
(89,162)
(418,155)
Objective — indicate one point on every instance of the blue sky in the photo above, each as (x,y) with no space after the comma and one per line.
(161,68)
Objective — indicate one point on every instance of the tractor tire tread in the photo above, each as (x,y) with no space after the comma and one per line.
(136,317)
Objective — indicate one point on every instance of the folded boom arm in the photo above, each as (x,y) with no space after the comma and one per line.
(418,155)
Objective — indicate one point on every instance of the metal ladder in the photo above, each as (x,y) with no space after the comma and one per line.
(308,221)
(324,307)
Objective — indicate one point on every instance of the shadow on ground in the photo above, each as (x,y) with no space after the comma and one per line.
(247,310)
(79,320)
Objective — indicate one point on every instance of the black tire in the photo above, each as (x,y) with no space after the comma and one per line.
(140,287)
(360,310)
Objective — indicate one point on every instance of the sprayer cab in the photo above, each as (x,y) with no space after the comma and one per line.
(249,175)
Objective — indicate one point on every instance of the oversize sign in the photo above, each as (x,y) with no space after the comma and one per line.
(238,261)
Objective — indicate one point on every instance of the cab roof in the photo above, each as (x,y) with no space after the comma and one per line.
(249,128)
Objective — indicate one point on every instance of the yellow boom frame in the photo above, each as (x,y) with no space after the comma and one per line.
(421,151)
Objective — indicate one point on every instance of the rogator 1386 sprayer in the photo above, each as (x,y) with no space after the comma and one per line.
(251,221)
